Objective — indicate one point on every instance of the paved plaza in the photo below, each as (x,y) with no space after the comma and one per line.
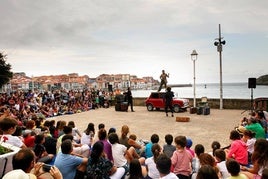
(202,129)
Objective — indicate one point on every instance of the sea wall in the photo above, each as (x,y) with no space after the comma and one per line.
(244,104)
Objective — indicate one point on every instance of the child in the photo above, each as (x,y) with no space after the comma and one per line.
(233,168)
(148,147)
(168,148)
(189,144)
(8,125)
(181,158)
(220,157)
(151,162)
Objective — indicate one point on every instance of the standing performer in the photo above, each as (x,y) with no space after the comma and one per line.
(168,101)
(163,78)
(129,99)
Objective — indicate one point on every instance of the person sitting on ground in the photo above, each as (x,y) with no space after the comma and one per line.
(8,126)
(256,127)
(214,146)
(168,148)
(150,163)
(25,160)
(249,139)
(238,149)
(220,157)
(122,157)
(28,138)
(40,150)
(182,159)
(259,160)
(102,134)
(75,131)
(70,165)
(163,164)
(126,141)
(100,167)
(88,135)
(207,172)
(148,147)
(207,159)
(198,149)
(233,168)
(189,144)
(262,120)
(136,171)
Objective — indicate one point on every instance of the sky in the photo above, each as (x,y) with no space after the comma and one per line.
(137,37)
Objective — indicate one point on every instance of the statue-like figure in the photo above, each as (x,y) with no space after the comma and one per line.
(163,78)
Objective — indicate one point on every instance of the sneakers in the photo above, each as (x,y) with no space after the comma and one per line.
(167,114)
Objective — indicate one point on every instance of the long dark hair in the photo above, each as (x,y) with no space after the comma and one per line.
(97,151)
(135,169)
(90,127)
(260,153)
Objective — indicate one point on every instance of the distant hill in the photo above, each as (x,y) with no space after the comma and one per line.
(262,80)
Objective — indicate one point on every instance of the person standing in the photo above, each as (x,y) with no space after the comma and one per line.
(168,99)
(163,78)
(130,99)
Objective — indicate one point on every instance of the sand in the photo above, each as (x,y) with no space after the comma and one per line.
(202,129)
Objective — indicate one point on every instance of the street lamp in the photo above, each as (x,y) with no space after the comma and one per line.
(219,44)
(194,58)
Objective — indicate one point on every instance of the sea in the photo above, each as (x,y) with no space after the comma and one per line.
(212,90)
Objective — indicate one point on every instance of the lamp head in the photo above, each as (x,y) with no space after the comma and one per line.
(216,43)
(194,55)
(223,42)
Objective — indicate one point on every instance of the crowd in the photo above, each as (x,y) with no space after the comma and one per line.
(59,150)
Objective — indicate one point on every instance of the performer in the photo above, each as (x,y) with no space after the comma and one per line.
(129,99)
(163,78)
(168,101)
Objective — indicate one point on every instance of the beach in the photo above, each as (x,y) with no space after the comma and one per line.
(202,129)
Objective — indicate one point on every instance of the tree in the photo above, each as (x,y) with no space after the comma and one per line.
(5,73)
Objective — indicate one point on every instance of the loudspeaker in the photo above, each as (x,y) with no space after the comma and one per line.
(110,88)
(252,83)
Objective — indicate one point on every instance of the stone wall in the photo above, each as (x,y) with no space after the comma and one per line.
(244,104)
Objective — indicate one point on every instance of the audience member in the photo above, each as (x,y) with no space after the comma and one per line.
(168,148)
(100,167)
(8,126)
(233,168)
(259,160)
(88,135)
(136,171)
(70,165)
(189,144)
(40,150)
(102,135)
(163,164)
(238,149)
(148,147)
(199,149)
(220,157)
(182,159)
(207,172)
(150,162)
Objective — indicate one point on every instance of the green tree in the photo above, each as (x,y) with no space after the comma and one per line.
(5,73)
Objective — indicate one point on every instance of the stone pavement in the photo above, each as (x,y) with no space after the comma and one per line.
(203,129)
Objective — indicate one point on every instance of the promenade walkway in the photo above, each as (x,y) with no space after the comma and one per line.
(201,129)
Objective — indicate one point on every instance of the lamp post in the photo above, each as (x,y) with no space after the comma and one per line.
(219,44)
(194,58)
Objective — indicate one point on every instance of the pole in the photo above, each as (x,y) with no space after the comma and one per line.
(194,86)
(220,50)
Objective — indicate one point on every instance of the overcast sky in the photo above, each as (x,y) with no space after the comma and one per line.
(137,37)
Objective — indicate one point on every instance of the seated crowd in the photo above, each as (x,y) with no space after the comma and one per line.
(59,150)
